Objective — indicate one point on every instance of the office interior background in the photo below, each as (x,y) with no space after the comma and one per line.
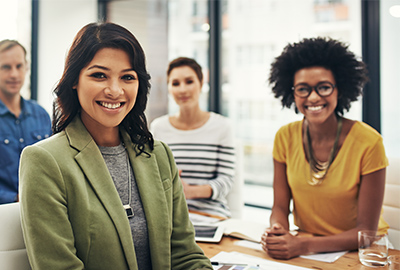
(235,41)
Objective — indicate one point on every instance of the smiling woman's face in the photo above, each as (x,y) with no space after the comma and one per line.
(184,86)
(315,108)
(107,90)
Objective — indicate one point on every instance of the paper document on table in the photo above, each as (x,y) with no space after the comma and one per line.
(249,244)
(252,261)
(243,229)
(235,267)
(201,219)
(325,257)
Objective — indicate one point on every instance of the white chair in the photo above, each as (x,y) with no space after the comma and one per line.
(235,196)
(13,254)
(391,201)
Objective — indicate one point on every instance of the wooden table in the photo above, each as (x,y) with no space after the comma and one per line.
(347,261)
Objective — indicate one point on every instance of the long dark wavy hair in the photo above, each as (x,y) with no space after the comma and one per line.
(350,73)
(88,41)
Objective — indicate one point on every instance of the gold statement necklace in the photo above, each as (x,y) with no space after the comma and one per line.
(318,170)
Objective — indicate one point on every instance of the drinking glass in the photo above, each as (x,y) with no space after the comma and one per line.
(372,248)
(394,262)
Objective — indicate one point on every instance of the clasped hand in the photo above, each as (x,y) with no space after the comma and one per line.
(280,244)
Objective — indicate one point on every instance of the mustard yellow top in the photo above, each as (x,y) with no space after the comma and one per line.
(331,207)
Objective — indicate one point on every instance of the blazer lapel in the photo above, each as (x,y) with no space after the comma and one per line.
(93,166)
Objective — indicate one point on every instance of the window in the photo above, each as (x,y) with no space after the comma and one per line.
(15,18)
(390,83)
(188,36)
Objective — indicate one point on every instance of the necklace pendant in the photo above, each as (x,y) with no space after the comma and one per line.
(128,210)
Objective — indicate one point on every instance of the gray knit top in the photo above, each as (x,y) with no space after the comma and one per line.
(118,165)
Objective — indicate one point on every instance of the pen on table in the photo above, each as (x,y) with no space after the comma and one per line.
(234,264)
(222,263)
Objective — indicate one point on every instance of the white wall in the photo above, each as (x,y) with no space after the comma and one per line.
(59,21)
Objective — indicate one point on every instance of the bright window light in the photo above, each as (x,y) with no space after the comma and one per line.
(205,27)
(395,11)
(8,19)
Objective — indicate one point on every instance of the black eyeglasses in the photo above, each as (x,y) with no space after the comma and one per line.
(323,89)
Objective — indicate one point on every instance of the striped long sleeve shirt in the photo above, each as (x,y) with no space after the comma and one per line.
(206,157)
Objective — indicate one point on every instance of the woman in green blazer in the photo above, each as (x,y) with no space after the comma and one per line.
(87,204)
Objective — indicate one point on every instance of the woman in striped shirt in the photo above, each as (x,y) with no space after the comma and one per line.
(201,141)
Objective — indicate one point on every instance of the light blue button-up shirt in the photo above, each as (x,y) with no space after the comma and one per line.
(32,125)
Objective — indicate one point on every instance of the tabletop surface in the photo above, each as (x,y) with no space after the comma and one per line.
(347,261)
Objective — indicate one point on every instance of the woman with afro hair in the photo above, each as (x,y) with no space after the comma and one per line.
(333,168)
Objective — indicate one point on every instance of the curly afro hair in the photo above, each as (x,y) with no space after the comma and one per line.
(350,73)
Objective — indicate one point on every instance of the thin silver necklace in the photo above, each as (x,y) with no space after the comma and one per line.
(127,207)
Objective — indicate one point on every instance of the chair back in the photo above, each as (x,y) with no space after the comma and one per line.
(391,201)
(13,254)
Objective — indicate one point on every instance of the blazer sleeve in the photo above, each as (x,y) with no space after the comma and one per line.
(185,253)
(47,230)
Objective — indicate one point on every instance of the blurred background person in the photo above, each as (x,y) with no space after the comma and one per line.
(22,122)
(201,141)
(101,193)
(333,168)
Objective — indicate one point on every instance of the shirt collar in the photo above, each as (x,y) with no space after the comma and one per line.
(25,109)
(3,108)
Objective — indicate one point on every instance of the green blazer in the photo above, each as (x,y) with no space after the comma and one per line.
(73,218)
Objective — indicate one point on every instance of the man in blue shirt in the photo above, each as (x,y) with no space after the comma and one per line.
(22,122)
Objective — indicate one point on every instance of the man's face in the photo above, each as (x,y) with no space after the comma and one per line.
(13,69)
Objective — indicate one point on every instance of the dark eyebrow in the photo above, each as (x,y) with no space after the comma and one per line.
(97,66)
(302,83)
(105,68)
(128,69)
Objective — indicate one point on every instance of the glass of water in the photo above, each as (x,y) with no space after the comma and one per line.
(372,248)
